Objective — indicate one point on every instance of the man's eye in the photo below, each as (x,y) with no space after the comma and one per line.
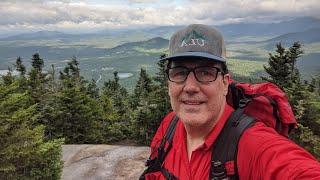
(178,73)
(206,73)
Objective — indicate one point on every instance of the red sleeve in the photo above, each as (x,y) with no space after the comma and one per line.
(264,154)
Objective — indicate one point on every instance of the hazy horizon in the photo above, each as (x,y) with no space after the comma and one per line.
(85,16)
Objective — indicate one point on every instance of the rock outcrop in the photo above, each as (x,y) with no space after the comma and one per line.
(82,162)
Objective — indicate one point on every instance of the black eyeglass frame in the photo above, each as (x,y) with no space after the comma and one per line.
(195,74)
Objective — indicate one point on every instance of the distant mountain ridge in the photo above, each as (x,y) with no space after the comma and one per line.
(39,35)
(157,42)
(262,29)
(129,50)
(229,30)
(154,43)
(308,36)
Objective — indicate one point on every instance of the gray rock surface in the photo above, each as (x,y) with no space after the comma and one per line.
(97,162)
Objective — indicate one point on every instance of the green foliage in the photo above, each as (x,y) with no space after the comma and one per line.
(36,109)
(141,104)
(245,68)
(70,77)
(118,96)
(143,119)
(153,103)
(72,112)
(20,67)
(114,128)
(8,78)
(92,89)
(142,89)
(74,115)
(24,153)
(36,62)
(314,85)
(307,139)
(117,93)
(160,98)
(282,66)
(282,71)
(36,80)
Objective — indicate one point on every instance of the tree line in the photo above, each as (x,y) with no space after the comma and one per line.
(40,111)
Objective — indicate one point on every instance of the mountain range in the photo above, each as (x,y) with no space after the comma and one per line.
(229,30)
(128,50)
(305,37)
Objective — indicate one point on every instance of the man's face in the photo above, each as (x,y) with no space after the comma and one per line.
(198,103)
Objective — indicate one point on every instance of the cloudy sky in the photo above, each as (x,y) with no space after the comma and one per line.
(76,15)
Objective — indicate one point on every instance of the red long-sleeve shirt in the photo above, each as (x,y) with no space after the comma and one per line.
(262,154)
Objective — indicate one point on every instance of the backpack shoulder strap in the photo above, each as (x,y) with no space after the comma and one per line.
(155,164)
(168,137)
(224,151)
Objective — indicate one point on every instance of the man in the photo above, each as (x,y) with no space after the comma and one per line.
(198,86)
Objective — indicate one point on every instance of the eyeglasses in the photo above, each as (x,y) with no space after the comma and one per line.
(202,74)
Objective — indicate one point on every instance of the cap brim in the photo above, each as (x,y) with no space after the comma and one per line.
(188,55)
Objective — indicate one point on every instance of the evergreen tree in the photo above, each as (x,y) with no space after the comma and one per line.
(280,67)
(282,71)
(293,54)
(36,62)
(52,85)
(142,89)
(114,129)
(20,67)
(8,78)
(71,112)
(40,87)
(117,93)
(36,80)
(92,89)
(71,75)
(143,85)
(143,118)
(315,85)
(24,153)
(148,115)
(141,105)
(160,95)
(160,98)
(119,100)
(23,81)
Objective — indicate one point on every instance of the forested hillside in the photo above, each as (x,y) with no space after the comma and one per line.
(128,50)
(40,110)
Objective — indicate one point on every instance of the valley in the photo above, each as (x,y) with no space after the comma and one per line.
(103,53)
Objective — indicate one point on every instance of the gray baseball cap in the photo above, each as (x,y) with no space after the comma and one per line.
(197,41)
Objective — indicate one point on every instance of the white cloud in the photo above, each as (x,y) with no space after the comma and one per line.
(70,14)
(143,1)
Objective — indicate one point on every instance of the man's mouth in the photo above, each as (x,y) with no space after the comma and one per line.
(188,102)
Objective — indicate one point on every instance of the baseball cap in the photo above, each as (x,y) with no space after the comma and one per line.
(197,41)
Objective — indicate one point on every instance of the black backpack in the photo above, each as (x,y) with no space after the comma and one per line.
(228,139)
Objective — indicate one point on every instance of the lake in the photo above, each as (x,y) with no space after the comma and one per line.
(5,72)
(124,75)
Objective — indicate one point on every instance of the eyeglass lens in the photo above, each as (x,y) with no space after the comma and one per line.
(202,74)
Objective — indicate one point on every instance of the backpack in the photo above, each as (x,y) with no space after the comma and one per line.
(263,102)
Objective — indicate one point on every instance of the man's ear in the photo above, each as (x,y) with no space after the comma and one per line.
(168,88)
(226,80)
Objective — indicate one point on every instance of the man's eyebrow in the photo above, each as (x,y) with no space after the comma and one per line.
(197,65)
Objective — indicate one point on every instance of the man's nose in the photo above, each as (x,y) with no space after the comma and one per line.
(191,84)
